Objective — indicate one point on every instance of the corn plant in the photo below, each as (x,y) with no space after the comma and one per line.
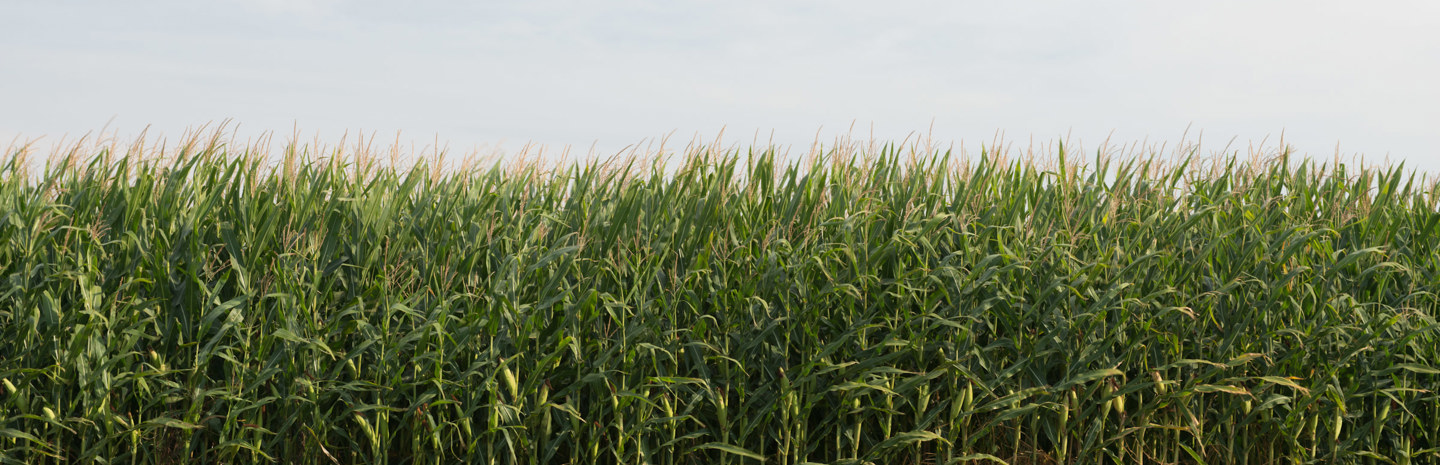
(205,303)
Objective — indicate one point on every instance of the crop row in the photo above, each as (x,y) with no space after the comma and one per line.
(731,308)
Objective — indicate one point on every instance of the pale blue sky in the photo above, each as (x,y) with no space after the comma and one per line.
(1361,74)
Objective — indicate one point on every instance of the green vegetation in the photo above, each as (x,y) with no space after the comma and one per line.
(210,306)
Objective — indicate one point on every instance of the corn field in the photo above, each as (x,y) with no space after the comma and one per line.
(213,305)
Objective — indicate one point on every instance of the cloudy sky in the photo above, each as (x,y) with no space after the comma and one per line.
(1358,74)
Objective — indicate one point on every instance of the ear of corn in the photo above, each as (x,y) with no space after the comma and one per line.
(881,307)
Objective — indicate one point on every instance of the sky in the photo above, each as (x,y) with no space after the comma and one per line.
(1333,77)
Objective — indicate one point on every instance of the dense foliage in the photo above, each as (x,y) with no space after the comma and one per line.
(857,308)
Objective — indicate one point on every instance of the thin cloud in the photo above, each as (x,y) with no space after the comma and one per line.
(291,7)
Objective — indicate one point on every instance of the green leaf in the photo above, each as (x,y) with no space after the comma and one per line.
(1088,377)
(731,449)
(977,457)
